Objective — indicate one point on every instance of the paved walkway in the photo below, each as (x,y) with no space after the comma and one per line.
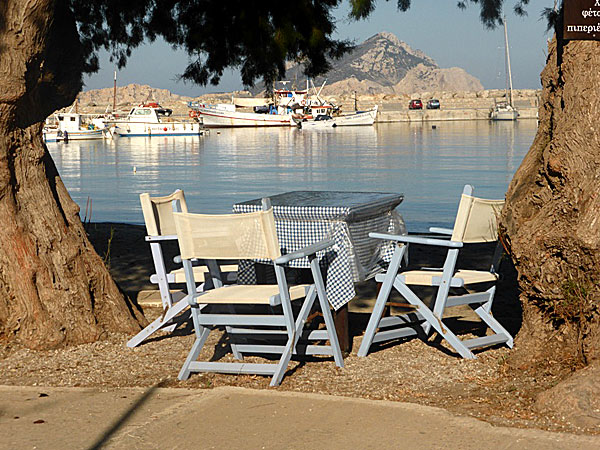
(237,418)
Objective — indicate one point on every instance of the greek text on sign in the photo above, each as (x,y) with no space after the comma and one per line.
(581,19)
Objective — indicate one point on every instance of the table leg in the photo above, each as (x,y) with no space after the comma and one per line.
(340,317)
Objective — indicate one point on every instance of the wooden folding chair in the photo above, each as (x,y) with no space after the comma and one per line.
(158,217)
(476,222)
(252,236)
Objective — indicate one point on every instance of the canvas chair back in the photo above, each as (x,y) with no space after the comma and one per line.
(227,236)
(158,212)
(477,220)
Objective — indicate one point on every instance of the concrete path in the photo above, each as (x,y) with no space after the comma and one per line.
(236,418)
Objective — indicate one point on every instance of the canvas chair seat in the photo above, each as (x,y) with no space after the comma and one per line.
(178,275)
(260,294)
(476,222)
(461,278)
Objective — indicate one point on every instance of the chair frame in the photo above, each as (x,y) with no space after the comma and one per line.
(424,318)
(173,303)
(237,324)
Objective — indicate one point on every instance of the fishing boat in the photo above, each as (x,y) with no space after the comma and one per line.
(357,118)
(150,119)
(318,123)
(252,112)
(222,115)
(344,120)
(64,127)
(505,110)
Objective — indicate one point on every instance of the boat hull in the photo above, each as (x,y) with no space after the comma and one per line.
(504,115)
(318,125)
(221,119)
(83,135)
(357,119)
(137,129)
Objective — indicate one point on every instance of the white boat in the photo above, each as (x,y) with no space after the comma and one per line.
(505,110)
(151,119)
(64,127)
(253,112)
(358,118)
(318,123)
(218,117)
(345,120)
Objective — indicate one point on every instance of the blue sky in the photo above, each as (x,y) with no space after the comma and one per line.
(452,37)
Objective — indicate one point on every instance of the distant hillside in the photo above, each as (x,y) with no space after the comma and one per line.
(384,64)
(129,95)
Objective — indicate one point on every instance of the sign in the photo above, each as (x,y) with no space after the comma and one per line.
(581,19)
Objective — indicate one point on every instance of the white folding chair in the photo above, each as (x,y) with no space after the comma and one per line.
(476,222)
(158,217)
(252,236)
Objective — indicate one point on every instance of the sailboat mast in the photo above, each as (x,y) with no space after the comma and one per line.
(115,93)
(510,101)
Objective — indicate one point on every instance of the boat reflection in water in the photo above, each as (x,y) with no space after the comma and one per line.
(429,166)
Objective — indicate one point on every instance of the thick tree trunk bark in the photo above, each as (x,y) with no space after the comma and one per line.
(552,214)
(54,288)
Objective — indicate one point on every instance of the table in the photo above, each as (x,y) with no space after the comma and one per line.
(305,217)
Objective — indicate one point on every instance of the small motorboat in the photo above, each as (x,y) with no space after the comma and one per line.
(150,119)
(64,127)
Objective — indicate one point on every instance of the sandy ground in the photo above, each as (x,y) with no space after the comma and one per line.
(428,373)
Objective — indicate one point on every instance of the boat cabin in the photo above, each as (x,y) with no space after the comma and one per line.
(321,110)
(148,113)
(69,122)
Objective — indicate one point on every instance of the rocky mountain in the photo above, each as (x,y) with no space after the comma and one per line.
(129,95)
(422,78)
(384,64)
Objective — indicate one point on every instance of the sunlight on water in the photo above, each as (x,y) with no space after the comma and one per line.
(430,166)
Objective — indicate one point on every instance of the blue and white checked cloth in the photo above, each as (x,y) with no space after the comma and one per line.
(354,256)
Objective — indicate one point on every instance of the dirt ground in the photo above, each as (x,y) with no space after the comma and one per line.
(407,370)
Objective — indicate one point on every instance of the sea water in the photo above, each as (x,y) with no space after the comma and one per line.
(428,162)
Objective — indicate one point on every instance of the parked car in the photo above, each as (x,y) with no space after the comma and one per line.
(415,104)
(434,103)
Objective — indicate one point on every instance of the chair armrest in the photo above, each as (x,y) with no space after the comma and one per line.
(438,230)
(306,251)
(416,240)
(172,237)
(177,260)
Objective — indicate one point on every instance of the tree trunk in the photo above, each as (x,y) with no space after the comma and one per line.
(552,214)
(54,288)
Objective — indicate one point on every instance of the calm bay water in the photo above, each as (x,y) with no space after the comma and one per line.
(430,166)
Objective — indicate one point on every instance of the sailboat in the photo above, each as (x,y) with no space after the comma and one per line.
(505,110)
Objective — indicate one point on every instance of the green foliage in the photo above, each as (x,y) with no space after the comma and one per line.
(491,10)
(577,304)
(256,36)
(577,308)
(106,258)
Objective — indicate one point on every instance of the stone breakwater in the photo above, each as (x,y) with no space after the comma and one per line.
(427,115)
(453,105)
